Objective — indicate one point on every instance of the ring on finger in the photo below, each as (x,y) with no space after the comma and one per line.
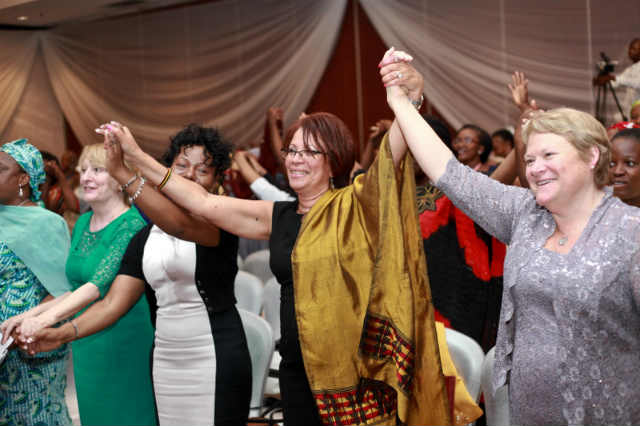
(398,75)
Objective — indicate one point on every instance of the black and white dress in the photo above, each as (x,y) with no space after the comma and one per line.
(201,364)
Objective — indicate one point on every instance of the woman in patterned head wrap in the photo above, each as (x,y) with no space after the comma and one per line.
(33,249)
(117,358)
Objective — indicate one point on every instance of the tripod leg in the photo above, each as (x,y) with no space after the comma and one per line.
(598,103)
(615,98)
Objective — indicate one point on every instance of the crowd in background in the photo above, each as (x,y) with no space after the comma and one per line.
(531,236)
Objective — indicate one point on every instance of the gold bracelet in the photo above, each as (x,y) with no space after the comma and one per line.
(165,179)
(75,327)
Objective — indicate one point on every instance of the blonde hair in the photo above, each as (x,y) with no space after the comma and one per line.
(95,154)
(97,157)
(581,130)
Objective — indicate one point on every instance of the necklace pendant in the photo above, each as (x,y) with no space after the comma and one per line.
(563,240)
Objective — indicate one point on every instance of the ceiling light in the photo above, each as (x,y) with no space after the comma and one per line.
(23,18)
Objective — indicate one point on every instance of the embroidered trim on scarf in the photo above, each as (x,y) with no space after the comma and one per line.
(382,340)
(371,401)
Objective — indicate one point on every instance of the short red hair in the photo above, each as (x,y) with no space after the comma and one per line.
(333,136)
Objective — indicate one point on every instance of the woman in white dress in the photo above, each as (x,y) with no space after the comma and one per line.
(201,363)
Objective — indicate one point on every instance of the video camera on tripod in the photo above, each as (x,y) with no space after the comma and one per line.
(606,67)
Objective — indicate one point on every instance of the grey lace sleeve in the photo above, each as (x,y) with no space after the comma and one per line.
(492,205)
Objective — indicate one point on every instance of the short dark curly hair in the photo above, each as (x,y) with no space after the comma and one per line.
(215,146)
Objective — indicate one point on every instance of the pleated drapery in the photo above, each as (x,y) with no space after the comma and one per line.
(224,63)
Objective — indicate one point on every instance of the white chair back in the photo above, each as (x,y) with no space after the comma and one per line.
(271,306)
(271,311)
(496,407)
(248,290)
(257,263)
(260,342)
(467,356)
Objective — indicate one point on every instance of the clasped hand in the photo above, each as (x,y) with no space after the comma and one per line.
(119,145)
(400,78)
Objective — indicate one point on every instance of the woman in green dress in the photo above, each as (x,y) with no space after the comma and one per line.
(34,244)
(112,368)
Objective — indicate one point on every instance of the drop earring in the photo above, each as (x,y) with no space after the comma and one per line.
(20,191)
(331,182)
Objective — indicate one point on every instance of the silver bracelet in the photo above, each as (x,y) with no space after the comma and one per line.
(418,103)
(138,191)
(75,327)
(126,185)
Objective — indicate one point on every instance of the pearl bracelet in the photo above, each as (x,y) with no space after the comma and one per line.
(138,191)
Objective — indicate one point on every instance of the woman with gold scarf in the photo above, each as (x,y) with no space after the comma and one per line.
(359,343)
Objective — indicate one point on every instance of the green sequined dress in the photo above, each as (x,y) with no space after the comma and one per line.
(112,368)
(31,387)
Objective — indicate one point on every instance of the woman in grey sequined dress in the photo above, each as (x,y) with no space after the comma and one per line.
(568,341)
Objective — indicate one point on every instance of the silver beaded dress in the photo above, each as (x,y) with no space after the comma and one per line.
(569,336)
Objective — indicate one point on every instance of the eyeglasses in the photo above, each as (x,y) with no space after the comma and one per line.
(304,153)
(467,140)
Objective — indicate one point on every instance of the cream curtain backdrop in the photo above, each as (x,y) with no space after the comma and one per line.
(468,50)
(222,63)
(17,54)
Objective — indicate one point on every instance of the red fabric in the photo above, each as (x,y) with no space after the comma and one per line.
(431,221)
(621,125)
(441,318)
(499,251)
(476,252)
(234,183)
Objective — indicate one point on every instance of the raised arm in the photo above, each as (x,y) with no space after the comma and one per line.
(245,167)
(162,211)
(401,77)
(507,171)
(245,218)
(376,133)
(429,151)
(274,125)
(520,94)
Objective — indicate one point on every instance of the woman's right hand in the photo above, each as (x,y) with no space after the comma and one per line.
(44,340)
(122,136)
(400,78)
(10,325)
(520,92)
(115,159)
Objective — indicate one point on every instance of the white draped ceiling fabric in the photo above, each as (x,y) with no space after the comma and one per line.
(467,51)
(222,63)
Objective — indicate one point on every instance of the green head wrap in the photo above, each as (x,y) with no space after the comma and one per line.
(30,159)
